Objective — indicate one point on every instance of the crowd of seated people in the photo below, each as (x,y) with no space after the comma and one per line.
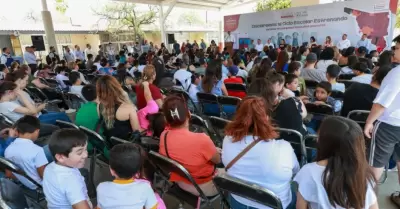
(276,96)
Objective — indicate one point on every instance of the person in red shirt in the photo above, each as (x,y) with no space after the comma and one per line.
(149,75)
(194,151)
(233,71)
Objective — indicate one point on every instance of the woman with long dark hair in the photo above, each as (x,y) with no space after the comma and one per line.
(269,163)
(212,82)
(281,64)
(341,176)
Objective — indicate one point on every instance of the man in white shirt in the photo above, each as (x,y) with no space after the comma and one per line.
(269,43)
(183,76)
(110,52)
(76,88)
(89,50)
(25,153)
(60,78)
(344,43)
(68,55)
(360,69)
(386,113)
(78,53)
(250,65)
(30,58)
(228,38)
(259,46)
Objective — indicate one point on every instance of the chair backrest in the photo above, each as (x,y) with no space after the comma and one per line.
(75,99)
(67,82)
(197,123)
(7,164)
(64,124)
(115,141)
(39,93)
(250,191)
(6,120)
(338,95)
(319,109)
(207,98)
(228,105)
(237,87)
(359,116)
(95,139)
(52,81)
(346,76)
(180,93)
(311,84)
(11,195)
(209,104)
(347,83)
(228,100)
(219,124)
(310,142)
(295,138)
(168,166)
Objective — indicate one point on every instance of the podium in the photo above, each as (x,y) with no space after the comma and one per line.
(229,47)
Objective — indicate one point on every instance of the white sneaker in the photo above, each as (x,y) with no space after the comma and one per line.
(70,111)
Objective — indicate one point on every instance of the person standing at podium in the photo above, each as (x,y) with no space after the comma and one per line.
(229,37)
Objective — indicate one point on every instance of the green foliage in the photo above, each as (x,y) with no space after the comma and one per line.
(266,5)
(61,6)
(190,18)
(126,16)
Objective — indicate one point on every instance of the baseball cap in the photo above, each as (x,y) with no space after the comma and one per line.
(233,70)
(360,66)
(311,57)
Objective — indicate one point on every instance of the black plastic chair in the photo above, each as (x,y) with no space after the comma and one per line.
(359,116)
(338,95)
(227,185)
(310,84)
(207,104)
(52,82)
(295,138)
(218,124)
(319,109)
(67,82)
(167,166)
(43,97)
(75,100)
(228,103)
(13,197)
(6,120)
(199,125)
(236,87)
(347,83)
(64,124)
(310,142)
(99,145)
(346,76)
(184,94)
(36,195)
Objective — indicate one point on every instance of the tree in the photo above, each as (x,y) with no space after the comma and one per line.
(265,5)
(190,18)
(61,6)
(126,16)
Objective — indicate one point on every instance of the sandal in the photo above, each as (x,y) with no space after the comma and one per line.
(395,198)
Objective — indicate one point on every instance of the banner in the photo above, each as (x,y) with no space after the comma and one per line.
(375,18)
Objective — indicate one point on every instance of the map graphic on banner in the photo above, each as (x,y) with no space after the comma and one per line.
(375,18)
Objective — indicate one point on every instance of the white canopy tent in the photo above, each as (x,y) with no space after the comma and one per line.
(214,5)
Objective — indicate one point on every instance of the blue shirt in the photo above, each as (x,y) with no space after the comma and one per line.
(225,71)
(4,143)
(29,58)
(215,90)
(366,43)
(79,55)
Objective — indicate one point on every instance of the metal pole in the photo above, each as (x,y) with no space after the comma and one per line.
(48,26)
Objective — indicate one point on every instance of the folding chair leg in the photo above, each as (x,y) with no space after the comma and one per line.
(92,170)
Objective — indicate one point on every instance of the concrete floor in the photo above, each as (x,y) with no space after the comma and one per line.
(391,185)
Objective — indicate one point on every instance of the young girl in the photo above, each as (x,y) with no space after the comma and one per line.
(340,177)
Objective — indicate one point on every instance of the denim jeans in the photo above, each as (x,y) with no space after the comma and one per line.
(51,117)
(237,205)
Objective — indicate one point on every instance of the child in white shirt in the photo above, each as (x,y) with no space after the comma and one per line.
(63,184)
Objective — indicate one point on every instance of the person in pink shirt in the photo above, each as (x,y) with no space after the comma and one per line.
(150,108)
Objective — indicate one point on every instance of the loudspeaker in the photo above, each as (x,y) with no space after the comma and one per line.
(171,38)
(38,43)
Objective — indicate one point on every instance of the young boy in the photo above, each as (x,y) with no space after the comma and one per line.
(25,153)
(63,184)
(292,83)
(322,96)
(76,87)
(126,191)
(87,114)
(332,73)
(295,68)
